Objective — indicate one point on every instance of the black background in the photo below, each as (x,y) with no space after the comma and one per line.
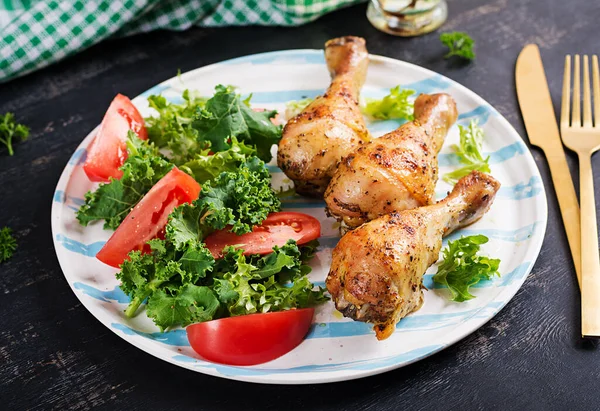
(54,354)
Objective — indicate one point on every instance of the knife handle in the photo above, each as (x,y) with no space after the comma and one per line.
(567,201)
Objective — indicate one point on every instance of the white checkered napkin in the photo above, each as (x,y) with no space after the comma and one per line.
(35,34)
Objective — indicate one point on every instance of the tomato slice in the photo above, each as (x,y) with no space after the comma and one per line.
(108,150)
(149,217)
(250,339)
(276,230)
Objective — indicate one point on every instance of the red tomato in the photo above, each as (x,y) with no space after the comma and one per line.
(276,230)
(149,217)
(250,339)
(108,150)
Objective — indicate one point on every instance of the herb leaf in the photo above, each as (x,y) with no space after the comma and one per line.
(164,267)
(187,286)
(11,131)
(8,244)
(394,105)
(204,167)
(172,127)
(275,282)
(469,153)
(463,268)
(191,304)
(240,199)
(226,115)
(459,44)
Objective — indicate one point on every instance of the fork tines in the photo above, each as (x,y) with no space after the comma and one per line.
(576,119)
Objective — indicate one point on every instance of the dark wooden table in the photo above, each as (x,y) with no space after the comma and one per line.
(54,354)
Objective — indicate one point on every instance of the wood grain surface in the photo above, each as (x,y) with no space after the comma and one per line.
(55,355)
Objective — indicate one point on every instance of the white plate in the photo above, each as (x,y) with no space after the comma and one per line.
(336,348)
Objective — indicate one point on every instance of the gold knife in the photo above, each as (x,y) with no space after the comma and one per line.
(540,122)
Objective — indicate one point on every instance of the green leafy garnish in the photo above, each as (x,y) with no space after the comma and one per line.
(295,107)
(226,115)
(276,282)
(8,244)
(205,166)
(112,201)
(240,199)
(463,268)
(11,131)
(459,43)
(172,127)
(165,270)
(190,304)
(469,153)
(394,105)
(180,294)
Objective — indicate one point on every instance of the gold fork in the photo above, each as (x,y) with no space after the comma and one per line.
(583,137)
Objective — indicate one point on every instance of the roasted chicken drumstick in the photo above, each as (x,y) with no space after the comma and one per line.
(314,142)
(395,172)
(377,270)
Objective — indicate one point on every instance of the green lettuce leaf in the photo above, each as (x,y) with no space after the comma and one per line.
(394,105)
(462,268)
(204,167)
(172,128)
(469,153)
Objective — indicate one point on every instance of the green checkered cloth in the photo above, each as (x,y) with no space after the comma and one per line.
(36,33)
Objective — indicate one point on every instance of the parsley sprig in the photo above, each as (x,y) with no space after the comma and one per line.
(459,44)
(11,131)
(8,244)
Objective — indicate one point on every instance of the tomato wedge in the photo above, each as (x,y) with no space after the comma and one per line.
(149,217)
(108,150)
(276,230)
(250,339)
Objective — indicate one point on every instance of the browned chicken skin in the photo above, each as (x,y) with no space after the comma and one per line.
(377,270)
(395,172)
(314,142)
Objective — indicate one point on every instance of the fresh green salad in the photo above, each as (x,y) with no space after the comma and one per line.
(223,144)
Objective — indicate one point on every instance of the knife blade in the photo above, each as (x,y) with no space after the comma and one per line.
(542,129)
